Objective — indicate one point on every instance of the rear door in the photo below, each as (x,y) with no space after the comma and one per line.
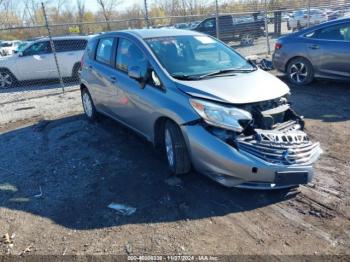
(69,53)
(332,44)
(36,62)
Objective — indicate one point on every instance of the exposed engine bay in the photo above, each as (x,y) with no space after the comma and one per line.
(274,134)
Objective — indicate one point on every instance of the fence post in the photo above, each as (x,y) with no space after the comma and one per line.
(308,13)
(146,14)
(217,19)
(52,46)
(267,31)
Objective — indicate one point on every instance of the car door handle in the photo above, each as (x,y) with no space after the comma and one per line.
(113,79)
(314,47)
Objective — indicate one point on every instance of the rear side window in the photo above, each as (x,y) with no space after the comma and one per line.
(338,32)
(91,48)
(128,55)
(104,50)
(70,45)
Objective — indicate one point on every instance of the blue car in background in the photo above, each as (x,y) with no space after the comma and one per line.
(322,51)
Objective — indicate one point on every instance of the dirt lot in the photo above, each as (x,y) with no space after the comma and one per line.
(58,174)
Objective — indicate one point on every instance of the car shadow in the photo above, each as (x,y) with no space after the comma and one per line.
(35,85)
(70,170)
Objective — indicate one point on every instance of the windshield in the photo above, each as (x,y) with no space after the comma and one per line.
(22,46)
(196,55)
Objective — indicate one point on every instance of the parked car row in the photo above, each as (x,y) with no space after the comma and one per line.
(302,18)
(9,47)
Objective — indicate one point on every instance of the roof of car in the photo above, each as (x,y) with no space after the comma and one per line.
(158,32)
(329,23)
(67,37)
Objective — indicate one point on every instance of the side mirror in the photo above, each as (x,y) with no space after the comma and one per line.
(134,72)
(139,74)
(20,53)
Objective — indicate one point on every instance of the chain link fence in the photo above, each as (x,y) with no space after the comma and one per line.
(42,56)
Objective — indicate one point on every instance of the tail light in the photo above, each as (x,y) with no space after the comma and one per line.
(278,46)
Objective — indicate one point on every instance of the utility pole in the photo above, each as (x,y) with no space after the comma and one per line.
(217,19)
(267,30)
(146,14)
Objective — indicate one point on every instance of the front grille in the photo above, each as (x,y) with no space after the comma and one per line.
(280,148)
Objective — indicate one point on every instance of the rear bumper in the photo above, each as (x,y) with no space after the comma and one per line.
(231,167)
(278,61)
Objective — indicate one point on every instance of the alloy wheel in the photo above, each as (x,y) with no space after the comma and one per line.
(298,72)
(5,80)
(87,104)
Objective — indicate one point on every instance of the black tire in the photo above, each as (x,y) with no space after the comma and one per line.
(90,115)
(75,72)
(7,79)
(300,71)
(181,163)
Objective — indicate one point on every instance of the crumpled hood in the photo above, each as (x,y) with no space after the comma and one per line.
(242,88)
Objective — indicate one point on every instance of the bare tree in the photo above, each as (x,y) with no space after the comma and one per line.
(81,14)
(107,8)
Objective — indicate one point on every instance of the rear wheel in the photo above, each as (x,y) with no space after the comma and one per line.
(247,39)
(176,151)
(88,105)
(7,79)
(300,71)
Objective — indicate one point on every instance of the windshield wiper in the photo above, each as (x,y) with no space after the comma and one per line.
(225,71)
(184,77)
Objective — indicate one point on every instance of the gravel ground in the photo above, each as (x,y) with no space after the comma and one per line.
(58,174)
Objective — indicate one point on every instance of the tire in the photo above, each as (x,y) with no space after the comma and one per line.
(176,150)
(88,105)
(7,79)
(75,72)
(300,71)
(247,39)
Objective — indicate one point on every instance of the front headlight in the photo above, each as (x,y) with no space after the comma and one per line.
(219,115)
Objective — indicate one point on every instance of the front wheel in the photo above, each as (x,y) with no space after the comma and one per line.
(176,151)
(300,71)
(7,80)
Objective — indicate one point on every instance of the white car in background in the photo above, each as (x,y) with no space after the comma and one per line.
(300,19)
(36,61)
(7,47)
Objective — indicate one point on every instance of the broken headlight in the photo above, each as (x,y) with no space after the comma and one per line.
(220,115)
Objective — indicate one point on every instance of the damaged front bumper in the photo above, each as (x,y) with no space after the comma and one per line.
(272,159)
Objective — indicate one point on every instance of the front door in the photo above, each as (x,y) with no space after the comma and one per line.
(36,62)
(130,106)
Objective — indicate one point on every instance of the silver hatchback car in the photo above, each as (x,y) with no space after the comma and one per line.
(200,102)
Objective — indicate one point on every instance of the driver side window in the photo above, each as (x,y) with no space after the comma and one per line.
(38,49)
(210,23)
